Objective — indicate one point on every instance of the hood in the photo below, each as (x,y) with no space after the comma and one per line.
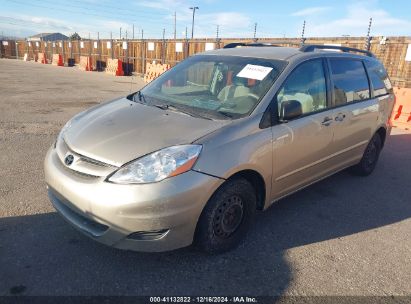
(121,131)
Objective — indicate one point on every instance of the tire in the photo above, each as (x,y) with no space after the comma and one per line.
(226,218)
(370,157)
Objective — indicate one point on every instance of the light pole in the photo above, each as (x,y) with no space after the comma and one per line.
(194,8)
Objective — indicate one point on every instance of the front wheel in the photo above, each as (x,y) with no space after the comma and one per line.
(227,216)
(370,157)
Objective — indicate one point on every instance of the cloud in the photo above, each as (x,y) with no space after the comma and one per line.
(355,23)
(310,11)
(231,24)
(23,25)
(45,24)
(168,5)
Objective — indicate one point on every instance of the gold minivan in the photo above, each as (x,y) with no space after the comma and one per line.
(190,157)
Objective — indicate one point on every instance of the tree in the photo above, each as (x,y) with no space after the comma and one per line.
(75,36)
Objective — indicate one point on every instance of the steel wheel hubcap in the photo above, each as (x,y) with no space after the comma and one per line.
(371,155)
(228,216)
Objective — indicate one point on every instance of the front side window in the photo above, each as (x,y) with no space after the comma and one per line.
(215,87)
(307,85)
(379,78)
(350,81)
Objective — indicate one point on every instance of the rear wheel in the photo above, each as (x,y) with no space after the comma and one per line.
(227,216)
(370,157)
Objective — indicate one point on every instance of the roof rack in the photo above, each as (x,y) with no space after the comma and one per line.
(241,44)
(313,47)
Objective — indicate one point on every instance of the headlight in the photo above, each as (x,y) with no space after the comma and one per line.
(157,166)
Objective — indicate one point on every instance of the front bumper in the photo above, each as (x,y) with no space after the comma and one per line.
(112,213)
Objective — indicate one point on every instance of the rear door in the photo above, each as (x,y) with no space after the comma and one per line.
(356,111)
(301,147)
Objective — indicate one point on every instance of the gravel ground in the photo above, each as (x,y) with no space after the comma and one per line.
(342,236)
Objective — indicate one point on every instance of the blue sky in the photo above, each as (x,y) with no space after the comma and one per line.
(235,18)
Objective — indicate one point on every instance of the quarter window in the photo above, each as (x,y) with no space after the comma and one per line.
(379,78)
(306,84)
(350,81)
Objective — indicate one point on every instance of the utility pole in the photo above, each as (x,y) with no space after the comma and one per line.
(368,38)
(89,45)
(143,59)
(17,50)
(111,45)
(163,51)
(186,44)
(120,32)
(194,8)
(126,53)
(255,32)
(302,35)
(99,52)
(175,25)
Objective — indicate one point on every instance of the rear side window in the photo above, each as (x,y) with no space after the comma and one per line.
(379,78)
(350,81)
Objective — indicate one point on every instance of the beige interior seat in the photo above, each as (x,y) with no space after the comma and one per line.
(237,89)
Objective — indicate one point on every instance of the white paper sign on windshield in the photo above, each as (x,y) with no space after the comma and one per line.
(256,72)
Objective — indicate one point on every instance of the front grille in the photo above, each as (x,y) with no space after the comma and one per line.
(83,165)
(93,161)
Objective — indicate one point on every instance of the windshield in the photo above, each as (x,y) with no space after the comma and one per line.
(213,87)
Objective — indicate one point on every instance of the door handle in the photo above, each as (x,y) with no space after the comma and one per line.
(340,117)
(327,121)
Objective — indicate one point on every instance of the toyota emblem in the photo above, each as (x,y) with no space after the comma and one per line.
(69,159)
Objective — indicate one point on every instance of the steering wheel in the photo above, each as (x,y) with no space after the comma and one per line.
(252,95)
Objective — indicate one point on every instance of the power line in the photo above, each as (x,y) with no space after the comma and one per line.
(19,23)
(113,7)
(97,8)
(75,12)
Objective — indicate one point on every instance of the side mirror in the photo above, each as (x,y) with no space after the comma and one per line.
(290,109)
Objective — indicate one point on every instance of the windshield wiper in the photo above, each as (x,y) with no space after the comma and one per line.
(226,114)
(161,106)
(178,109)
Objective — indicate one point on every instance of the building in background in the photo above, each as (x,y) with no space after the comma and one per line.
(47,37)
